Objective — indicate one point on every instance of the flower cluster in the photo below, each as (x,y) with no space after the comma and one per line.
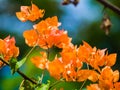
(8,49)
(108,80)
(30,13)
(46,34)
(71,61)
(69,65)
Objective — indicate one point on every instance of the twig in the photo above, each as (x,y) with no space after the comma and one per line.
(82,85)
(30,51)
(25,77)
(21,73)
(55,83)
(110,6)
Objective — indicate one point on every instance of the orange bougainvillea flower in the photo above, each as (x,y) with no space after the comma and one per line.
(117,86)
(107,78)
(51,38)
(31,37)
(2,46)
(100,54)
(83,75)
(46,34)
(59,38)
(40,61)
(52,22)
(93,87)
(69,73)
(69,54)
(110,59)
(8,49)
(31,13)
(95,57)
(47,24)
(90,55)
(41,27)
(2,50)
(84,52)
(69,63)
(100,59)
(56,68)
(11,49)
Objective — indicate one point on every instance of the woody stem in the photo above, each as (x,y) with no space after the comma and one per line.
(110,6)
(21,73)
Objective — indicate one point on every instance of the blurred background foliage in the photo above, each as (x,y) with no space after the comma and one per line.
(82,23)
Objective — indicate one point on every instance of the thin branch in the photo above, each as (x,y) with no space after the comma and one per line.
(110,6)
(30,51)
(25,77)
(55,83)
(21,73)
(82,85)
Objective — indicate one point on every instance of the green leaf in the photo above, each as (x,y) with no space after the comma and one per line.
(21,62)
(43,86)
(13,65)
(26,85)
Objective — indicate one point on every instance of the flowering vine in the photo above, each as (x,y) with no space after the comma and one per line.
(68,65)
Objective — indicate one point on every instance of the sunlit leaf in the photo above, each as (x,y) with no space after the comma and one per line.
(43,86)
(21,62)
(13,65)
(26,85)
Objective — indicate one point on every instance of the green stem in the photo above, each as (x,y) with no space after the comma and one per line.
(19,72)
(83,85)
(88,67)
(55,83)
(30,51)
(42,76)
(85,80)
(48,53)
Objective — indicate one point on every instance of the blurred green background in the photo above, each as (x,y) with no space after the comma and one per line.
(82,23)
